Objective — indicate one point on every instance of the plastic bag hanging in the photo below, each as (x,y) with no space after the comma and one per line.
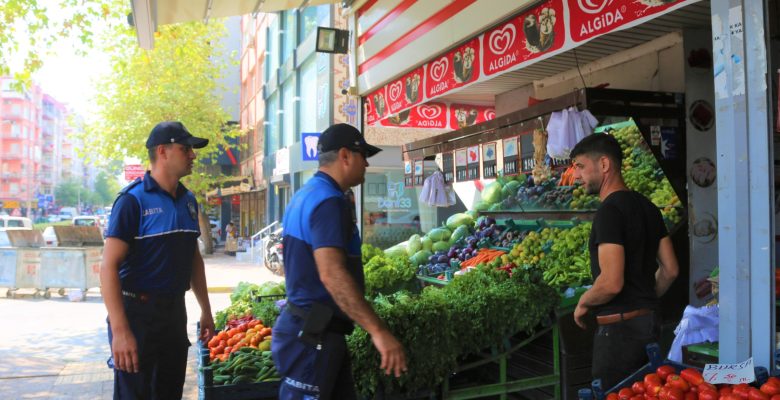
(587,122)
(561,130)
(435,191)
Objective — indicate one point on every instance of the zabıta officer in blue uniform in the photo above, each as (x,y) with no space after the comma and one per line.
(324,278)
(150,259)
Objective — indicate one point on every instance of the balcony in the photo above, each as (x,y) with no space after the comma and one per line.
(12,175)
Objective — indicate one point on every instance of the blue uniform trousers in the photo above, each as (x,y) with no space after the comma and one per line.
(307,372)
(160,329)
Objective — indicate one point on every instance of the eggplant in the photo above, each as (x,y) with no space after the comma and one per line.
(443,259)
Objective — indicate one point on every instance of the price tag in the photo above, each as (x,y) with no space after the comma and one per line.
(743,372)
(461,163)
(408,176)
(511,166)
(489,160)
(448,164)
(418,172)
(473,163)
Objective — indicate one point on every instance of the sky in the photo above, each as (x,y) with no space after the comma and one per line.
(71,79)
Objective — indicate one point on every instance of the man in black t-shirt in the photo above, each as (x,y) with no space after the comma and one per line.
(632,262)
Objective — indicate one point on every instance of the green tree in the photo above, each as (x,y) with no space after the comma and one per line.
(106,189)
(29,29)
(177,80)
(67,193)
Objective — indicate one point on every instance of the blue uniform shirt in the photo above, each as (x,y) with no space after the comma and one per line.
(319,215)
(162,233)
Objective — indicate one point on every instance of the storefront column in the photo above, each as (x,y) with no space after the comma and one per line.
(745,210)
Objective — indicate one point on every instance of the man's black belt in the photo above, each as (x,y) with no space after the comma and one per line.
(336,324)
(156,298)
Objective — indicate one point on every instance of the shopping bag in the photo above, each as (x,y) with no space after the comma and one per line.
(698,325)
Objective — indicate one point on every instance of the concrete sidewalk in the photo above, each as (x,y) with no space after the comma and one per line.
(57,349)
(223,272)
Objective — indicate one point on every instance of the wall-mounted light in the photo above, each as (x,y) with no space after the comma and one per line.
(332,40)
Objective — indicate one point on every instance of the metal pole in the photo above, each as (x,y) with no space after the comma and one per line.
(744,175)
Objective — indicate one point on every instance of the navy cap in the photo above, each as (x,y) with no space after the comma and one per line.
(345,135)
(168,132)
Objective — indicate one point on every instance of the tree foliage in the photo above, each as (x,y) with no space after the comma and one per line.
(177,80)
(30,29)
(106,189)
(68,192)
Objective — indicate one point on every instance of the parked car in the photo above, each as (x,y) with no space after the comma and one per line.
(53,218)
(49,237)
(88,220)
(15,223)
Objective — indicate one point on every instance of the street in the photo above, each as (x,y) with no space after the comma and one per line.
(57,349)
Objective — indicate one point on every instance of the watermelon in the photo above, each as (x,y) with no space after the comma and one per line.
(456,220)
(439,234)
(421,257)
(492,193)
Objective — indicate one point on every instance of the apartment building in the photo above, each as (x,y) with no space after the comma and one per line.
(20,147)
(288,90)
(37,150)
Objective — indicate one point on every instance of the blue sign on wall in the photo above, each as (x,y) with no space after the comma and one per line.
(309,146)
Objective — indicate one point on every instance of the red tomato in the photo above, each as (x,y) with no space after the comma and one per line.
(742,390)
(755,394)
(664,371)
(692,376)
(638,387)
(770,388)
(612,396)
(724,390)
(691,396)
(706,386)
(678,382)
(775,397)
(708,394)
(652,388)
(676,394)
(730,396)
(625,394)
(652,378)
(638,397)
(650,397)
(773,379)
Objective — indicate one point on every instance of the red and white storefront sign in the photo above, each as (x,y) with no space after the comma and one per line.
(134,171)
(440,115)
(524,38)
(592,18)
(456,69)
(547,29)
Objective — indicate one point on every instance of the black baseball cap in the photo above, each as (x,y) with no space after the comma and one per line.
(345,135)
(168,132)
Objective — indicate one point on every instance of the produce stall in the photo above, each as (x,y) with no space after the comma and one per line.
(522,238)
(236,363)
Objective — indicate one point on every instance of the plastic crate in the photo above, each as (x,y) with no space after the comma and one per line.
(654,354)
(245,391)
(270,297)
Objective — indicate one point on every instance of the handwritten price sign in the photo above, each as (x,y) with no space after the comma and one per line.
(730,373)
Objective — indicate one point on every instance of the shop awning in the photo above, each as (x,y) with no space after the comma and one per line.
(149,14)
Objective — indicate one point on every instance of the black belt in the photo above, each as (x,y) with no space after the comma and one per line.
(336,324)
(156,298)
